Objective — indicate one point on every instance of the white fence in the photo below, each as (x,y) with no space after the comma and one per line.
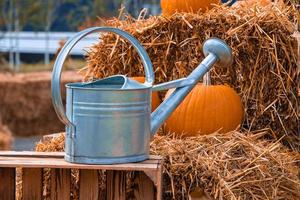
(41,42)
(47,43)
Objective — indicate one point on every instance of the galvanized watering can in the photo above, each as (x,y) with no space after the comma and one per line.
(109,121)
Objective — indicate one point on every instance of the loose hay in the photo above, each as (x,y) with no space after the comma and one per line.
(228,166)
(264,71)
(25,103)
(57,145)
(234,165)
(6,138)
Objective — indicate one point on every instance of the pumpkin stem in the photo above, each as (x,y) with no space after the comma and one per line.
(207,79)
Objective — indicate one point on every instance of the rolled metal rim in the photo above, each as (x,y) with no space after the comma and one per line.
(79,87)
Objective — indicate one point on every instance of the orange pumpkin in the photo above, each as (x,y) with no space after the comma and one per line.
(169,7)
(207,109)
(155,97)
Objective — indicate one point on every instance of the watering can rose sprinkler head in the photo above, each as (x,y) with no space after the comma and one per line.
(220,50)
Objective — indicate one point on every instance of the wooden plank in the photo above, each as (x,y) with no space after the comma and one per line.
(45,157)
(7,183)
(33,154)
(115,185)
(159,183)
(32,183)
(145,189)
(88,184)
(152,174)
(60,184)
(47,154)
(29,162)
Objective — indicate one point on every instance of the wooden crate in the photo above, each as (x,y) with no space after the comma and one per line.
(148,179)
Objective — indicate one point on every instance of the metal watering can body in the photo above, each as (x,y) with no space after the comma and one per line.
(109,121)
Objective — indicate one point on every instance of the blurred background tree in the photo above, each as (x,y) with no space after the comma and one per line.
(64,15)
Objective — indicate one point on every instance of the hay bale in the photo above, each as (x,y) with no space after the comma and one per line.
(6,138)
(226,166)
(57,144)
(26,106)
(233,165)
(229,166)
(264,71)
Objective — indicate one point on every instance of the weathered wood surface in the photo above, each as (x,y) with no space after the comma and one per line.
(115,185)
(7,183)
(88,184)
(55,160)
(32,183)
(32,154)
(159,182)
(145,189)
(147,179)
(60,184)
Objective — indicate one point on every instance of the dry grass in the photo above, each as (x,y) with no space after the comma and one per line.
(57,145)
(229,166)
(6,138)
(264,71)
(225,166)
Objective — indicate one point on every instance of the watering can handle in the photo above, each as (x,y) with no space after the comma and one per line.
(58,65)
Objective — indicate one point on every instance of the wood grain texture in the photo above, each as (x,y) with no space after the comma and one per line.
(115,185)
(32,154)
(145,189)
(159,182)
(60,184)
(46,154)
(56,160)
(33,162)
(7,183)
(32,183)
(88,184)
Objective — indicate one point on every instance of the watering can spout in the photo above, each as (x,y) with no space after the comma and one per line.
(108,120)
(216,51)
